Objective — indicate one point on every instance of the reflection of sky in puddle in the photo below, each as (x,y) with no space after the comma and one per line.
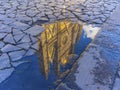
(60,47)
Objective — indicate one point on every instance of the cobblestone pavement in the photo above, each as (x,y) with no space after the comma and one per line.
(21,20)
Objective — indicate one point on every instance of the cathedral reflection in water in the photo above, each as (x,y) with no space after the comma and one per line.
(56,46)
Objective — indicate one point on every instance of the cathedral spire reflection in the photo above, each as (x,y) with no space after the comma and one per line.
(56,46)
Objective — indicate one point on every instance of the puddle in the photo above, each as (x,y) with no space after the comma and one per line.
(60,46)
(56,48)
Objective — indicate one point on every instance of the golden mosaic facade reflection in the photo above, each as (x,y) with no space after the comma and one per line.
(57,44)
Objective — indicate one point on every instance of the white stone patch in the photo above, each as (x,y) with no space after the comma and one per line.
(10,47)
(9,39)
(16,55)
(35,30)
(4,74)
(4,61)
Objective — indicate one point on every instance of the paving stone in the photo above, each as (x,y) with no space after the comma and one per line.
(4,61)
(22,6)
(20,13)
(17,31)
(8,20)
(30,52)
(84,17)
(97,21)
(9,47)
(35,30)
(96,12)
(5,29)
(32,12)
(12,10)
(2,35)
(16,55)
(7,5)
(61,17)
(111,7)
(4,74)
(19,25)
(1,44)
(35,46)
(49,12)
(34,19)
(52,17)
(18,37)
(23,18)
(2,11)
(24,45)
(11,15)
(26,38)
(57,14)
(33,39)
(9,39)
(2,17)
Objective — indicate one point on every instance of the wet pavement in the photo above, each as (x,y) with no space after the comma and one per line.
(57,52)
(99,67)
(21,24)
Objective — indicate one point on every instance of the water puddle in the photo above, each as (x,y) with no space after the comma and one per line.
(60,46)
